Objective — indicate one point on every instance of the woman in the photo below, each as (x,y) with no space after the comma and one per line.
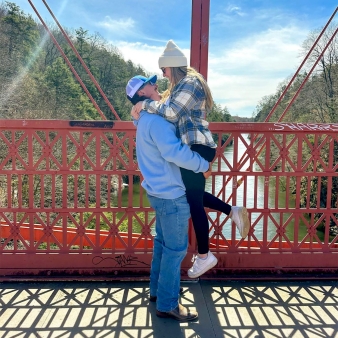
(186,104)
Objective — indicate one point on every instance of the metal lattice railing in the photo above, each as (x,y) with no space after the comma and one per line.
(71,202)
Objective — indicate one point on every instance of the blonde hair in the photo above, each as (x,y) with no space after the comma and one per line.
(178,73)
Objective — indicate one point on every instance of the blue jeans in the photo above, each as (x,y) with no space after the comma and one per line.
(170,247)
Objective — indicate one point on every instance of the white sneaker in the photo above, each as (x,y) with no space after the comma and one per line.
(201,266)
(241,219)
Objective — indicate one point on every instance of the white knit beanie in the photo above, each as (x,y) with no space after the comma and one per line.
(172,56)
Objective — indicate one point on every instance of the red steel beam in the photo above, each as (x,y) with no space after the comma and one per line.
(71,237)
(200,36)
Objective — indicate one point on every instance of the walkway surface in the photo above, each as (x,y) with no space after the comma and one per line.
(230,309)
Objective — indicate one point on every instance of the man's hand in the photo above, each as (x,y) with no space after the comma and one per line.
(135,111)
(208,173)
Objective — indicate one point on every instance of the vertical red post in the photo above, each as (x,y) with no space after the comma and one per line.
(200,36)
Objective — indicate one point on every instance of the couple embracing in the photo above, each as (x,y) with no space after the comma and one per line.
(174,149)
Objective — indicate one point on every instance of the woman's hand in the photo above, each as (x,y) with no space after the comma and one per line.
(135,111)
(208,173)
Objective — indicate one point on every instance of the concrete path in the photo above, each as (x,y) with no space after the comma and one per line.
(121,309)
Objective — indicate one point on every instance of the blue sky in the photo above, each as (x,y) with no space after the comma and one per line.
(253,44)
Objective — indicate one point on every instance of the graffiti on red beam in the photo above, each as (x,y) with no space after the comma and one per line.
(329,127)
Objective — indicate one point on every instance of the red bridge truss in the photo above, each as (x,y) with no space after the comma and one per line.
(66,208)
(71,203)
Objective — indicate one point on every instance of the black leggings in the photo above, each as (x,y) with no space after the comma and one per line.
(198,199)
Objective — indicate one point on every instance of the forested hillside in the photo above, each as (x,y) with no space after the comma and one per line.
(36,82)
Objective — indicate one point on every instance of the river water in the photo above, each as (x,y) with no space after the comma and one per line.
(271,226)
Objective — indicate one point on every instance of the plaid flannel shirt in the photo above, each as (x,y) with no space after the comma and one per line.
(186,110)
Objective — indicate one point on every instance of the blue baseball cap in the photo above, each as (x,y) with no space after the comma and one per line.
(135,83)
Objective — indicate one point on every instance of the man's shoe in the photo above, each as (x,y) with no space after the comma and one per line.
(154,298)
(181,313)
(240,216)
(201,266)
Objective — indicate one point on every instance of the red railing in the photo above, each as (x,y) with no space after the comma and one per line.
(71,201)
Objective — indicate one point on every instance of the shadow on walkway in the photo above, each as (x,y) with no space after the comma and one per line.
(121,309)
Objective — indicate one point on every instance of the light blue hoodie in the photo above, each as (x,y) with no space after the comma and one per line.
(160,154)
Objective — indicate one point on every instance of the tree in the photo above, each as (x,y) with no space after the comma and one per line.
(65,96)
(219,114)
(21,32)
(324,90)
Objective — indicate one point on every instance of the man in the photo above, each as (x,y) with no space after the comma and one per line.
(160,154)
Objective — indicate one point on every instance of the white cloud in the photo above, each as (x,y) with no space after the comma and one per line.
(235,9)
(143,54)
(120,27)
(140,54)
(254,66)
(241,93)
